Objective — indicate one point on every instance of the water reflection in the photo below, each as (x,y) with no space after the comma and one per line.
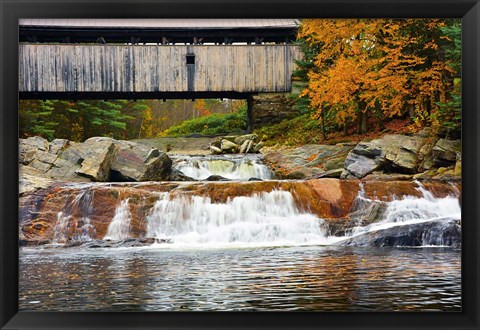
(300,278)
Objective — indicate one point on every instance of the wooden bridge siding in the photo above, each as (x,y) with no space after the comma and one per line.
(257,68)
(121,68)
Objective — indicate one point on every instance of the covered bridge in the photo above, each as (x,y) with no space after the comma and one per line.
(155,58)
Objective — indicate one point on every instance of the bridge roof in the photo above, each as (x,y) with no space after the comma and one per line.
(162,23)
(158,30)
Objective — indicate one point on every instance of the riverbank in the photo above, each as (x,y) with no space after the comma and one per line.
(420,156)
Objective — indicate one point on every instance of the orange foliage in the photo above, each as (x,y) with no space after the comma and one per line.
(201,107)
(371,65)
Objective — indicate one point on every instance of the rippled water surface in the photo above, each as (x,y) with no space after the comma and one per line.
(295,278)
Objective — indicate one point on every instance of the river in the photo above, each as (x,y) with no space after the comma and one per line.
(284,278)
(257,251)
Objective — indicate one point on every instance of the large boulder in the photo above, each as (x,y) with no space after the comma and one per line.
(58,145)
(43,159)
(446,152)
(177,175)
(308,161)
(359,165)
(242,138)
(392,153)
(29,147)
(228,146)
(257,147)
(96,159)
(137,162)
(215,150)
(94,156)
(446,232)
(246,146)
(31,180)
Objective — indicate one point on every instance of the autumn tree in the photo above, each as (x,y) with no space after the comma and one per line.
(375,69)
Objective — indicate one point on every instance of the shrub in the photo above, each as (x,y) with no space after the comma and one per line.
(211,125)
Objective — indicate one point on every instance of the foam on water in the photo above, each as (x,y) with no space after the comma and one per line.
(230,167)
(262,219)
(412,210)
(119,227)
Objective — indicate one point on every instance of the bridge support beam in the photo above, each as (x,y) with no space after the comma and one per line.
(250,113)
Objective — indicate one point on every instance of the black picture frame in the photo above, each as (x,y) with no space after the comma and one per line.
(12,10)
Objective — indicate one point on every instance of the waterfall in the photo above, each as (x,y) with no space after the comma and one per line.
(409,210)
(269,219)
(261,219)
(77,228)
(230,167)
(119,227)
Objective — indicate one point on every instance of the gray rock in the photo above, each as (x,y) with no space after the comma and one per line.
(246,146)
(140,163)
(230,138)
(65,170)
(38,165)
(446,152)
(249,146)
(97,157)
(393,153)
(335,173)
(368,149)
(26,154)
(58,145)
(446,232)
(217,142)
(334,163)
(257,147)
(215,150)
(177,175)
(405,160)
(360,166)
(36,142)
(239,140)
(228,146)
(136,162)
(216,178)
(31,180)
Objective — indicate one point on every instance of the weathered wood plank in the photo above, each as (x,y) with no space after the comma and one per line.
(155,68)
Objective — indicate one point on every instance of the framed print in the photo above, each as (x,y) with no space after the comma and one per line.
(240,165)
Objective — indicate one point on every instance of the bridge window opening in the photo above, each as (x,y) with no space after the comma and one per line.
(190,59)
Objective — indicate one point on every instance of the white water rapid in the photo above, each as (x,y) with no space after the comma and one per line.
(119,227)
(230,167)
(265,219)
(81,226)
(409,210)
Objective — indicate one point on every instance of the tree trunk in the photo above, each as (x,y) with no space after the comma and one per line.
(364,123)
(324,136)
(359,122)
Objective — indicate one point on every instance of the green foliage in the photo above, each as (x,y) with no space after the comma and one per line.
(449,116)
(211,125)
(37,120)
(75,121)
(296,131)
(300,74)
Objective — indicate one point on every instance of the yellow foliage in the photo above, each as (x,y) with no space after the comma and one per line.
(368,64)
